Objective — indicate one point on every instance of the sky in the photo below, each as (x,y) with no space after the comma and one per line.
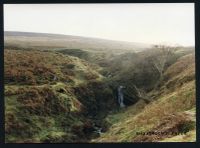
(144,23)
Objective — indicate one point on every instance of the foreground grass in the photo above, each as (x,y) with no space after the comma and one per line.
(188,137)
(125,128)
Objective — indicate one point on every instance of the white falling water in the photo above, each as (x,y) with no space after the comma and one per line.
(121,97)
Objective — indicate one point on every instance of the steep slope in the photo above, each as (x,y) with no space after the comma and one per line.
(46,97)
(171,114)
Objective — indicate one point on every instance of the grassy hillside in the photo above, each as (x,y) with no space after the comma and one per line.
(62,88)
(46,97)
(172,112)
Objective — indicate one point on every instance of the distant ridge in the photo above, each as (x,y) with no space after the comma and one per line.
(30,34)
(38,34)
(68,41)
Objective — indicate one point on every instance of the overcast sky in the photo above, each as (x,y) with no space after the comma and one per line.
(146,23)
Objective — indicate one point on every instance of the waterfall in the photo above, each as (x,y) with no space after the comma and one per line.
(121,96)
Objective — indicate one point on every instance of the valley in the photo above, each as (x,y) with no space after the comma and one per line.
(64,89)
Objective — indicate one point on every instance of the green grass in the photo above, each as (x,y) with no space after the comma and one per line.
(125,125)
(169,108)
(42,109)
(49,110)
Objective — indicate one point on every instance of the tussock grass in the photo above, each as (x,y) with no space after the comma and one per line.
(49,96)
(45,96)
(168,109)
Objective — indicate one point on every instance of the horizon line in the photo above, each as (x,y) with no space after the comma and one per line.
(90,37)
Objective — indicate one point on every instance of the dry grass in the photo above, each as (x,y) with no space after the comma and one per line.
(37,67)
(188,137)
(170,104)
(41,101)
(152,115)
